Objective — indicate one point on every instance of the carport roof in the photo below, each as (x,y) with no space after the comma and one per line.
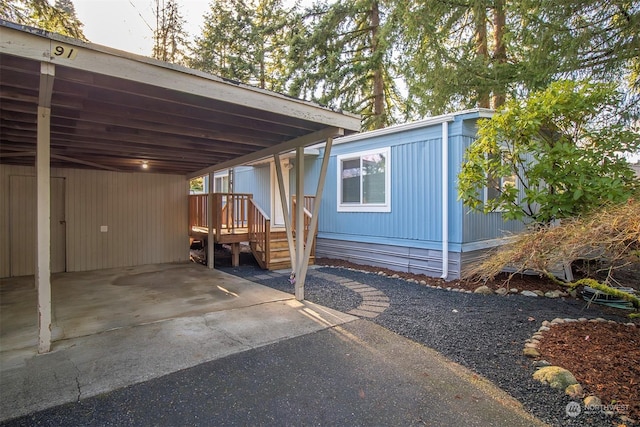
(114,110)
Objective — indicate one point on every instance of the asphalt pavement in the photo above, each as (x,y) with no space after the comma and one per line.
(355,373)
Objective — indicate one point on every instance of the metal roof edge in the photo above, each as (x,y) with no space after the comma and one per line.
(430,121)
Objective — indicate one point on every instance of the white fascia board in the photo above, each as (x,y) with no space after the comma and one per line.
(430,121)
(40,45)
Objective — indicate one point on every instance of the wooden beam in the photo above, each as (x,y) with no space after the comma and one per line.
(302,270)
(19,154)
(83,162)
(210,221)
(102,61)
(302,141)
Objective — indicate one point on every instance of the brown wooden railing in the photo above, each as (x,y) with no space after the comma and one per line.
(259,234)
(238,214)
(198,211)
(231,211)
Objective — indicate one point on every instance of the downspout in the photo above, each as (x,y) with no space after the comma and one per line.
(445,199)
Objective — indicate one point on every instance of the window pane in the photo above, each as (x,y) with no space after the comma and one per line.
(221,184)
(351,181)
(373,179)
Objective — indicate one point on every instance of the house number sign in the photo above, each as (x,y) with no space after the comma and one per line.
(64,51)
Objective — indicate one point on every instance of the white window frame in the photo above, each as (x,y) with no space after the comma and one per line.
(220,177)
(485,194)
(365,207)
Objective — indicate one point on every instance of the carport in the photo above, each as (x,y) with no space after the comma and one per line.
(111,140)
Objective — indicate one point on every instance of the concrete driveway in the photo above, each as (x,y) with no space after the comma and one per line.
(130,335)
(116,327)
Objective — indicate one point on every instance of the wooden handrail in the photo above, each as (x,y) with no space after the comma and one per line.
(230,211)
(198,210)
(259,233)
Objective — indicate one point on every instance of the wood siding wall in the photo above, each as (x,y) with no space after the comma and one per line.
(146,216)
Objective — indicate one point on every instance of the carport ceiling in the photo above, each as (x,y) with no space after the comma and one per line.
(113,110)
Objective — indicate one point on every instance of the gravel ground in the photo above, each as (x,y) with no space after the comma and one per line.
(483,333)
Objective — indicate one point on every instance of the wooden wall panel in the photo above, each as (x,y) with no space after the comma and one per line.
(22,220)
(146,216)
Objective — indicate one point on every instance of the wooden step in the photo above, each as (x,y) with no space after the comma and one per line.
(283,263)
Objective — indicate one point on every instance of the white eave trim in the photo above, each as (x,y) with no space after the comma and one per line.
(430,121)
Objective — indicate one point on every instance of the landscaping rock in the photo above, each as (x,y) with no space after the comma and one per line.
(502,291)
(574,390)
(552,294)
(528,294)
(591,401)
(539,293)
(531,352)
(484,290)
(514,290)
(541,363)
(555,376)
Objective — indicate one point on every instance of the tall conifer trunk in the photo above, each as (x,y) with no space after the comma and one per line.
(500,51)
(482,51)
(378,76)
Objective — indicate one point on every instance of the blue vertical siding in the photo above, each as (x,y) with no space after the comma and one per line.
(257,181)
(415,219)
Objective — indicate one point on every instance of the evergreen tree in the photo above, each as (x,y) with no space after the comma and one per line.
(245,41)
(60,18)
(342,56)
(170,37)
(457,54)
(454,54)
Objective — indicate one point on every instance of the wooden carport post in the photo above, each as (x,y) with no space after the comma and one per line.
(210,221)
(303,249)
(43,207)
(285,211)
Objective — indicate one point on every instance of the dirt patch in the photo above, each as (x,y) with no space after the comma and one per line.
(604,359)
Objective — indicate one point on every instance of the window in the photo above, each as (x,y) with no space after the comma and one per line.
(221,184)
(497,185)
(364,182)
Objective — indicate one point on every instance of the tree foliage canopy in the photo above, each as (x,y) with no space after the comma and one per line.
(60,18)
(560,153)
(245,41)
(342,56)
(170,39)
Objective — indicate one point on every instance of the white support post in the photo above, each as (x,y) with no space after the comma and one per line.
(299,213)
(285,211)
(302,275)
(210,220)
(43,207)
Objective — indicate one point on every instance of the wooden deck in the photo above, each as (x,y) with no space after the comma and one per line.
(238,219)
